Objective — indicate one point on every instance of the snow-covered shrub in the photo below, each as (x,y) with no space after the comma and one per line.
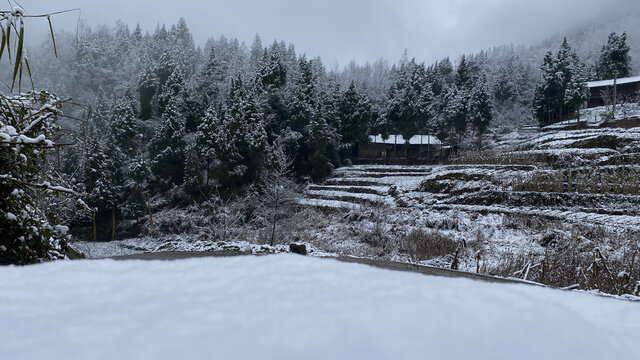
(27,122)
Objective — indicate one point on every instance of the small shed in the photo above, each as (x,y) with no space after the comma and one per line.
(601,92)
(420,146)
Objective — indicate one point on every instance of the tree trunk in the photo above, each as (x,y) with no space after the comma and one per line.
(275,212)
(395,146)
(150,213)
(615,95)
(95,233)
(113,222)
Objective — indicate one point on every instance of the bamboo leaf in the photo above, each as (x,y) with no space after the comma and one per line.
(53,39)
(20,80)
(18,63)
(26,62)
(4,41)
(9,40)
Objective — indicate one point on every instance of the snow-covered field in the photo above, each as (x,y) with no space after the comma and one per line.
(537,198)
(294,307)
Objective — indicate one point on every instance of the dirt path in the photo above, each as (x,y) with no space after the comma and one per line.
(389,265)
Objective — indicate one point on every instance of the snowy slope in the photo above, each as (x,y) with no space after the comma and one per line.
(294,307)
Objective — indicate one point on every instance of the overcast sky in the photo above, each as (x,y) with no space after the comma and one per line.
(344,30)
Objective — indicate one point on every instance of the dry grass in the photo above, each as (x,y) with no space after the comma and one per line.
(622,180)
(502,158)
(426,245)
(589,258)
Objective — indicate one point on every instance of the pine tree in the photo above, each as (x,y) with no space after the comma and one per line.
(410,100)
(123,126)
(563,88)
(272,72)
(206,142)
(147,88)
(615,62)
(464,73)
(102,190)
(255,53)
(548,96)
(455,112)
(354,115)
(480,107)
(167,148)
(238,140)
(212,82)
(173,91)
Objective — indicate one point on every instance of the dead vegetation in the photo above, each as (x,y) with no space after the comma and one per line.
(580,257)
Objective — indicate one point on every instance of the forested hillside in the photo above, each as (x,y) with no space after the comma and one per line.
(153,121)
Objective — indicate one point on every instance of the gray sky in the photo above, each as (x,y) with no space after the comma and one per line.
(344,30)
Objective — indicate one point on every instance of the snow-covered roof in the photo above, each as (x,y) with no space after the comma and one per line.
(627,80)
(415,140)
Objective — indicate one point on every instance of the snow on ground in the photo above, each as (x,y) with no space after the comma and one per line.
(294,307)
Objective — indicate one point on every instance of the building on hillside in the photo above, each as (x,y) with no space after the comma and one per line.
(420,147)
(601,92)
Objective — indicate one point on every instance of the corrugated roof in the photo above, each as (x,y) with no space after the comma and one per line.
(592,84)
(415,140)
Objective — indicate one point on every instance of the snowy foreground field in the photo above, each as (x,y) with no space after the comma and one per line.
(294,307)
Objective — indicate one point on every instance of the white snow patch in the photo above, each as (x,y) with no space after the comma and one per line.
(294,307)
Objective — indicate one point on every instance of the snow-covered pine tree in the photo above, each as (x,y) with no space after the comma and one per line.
(147,88)
(548,97)
(563,87)
(173,91)
(123,133)
(166,149)
(255,53)
(615,62)
(480,107)
(238,140)
(576,91)
(354,115)
(455,113)
(206,142)
(102,191)
(410,100)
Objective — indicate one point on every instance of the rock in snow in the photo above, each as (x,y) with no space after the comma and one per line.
(294,307)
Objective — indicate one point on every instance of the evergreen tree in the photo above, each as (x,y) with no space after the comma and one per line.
(410,100)
(255,53)
(563,88)
(455,111)
(173,91)
(464,73)
(147,88)
(167,149)
(122,134)
(212,82)
(548,97)
(354,115)
(480,107)
(615,61)
(238,140)
(206,141)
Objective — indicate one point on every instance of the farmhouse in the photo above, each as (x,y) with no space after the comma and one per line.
(601,92)
(420,146)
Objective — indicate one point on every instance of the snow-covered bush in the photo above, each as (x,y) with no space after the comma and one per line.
(26,124)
